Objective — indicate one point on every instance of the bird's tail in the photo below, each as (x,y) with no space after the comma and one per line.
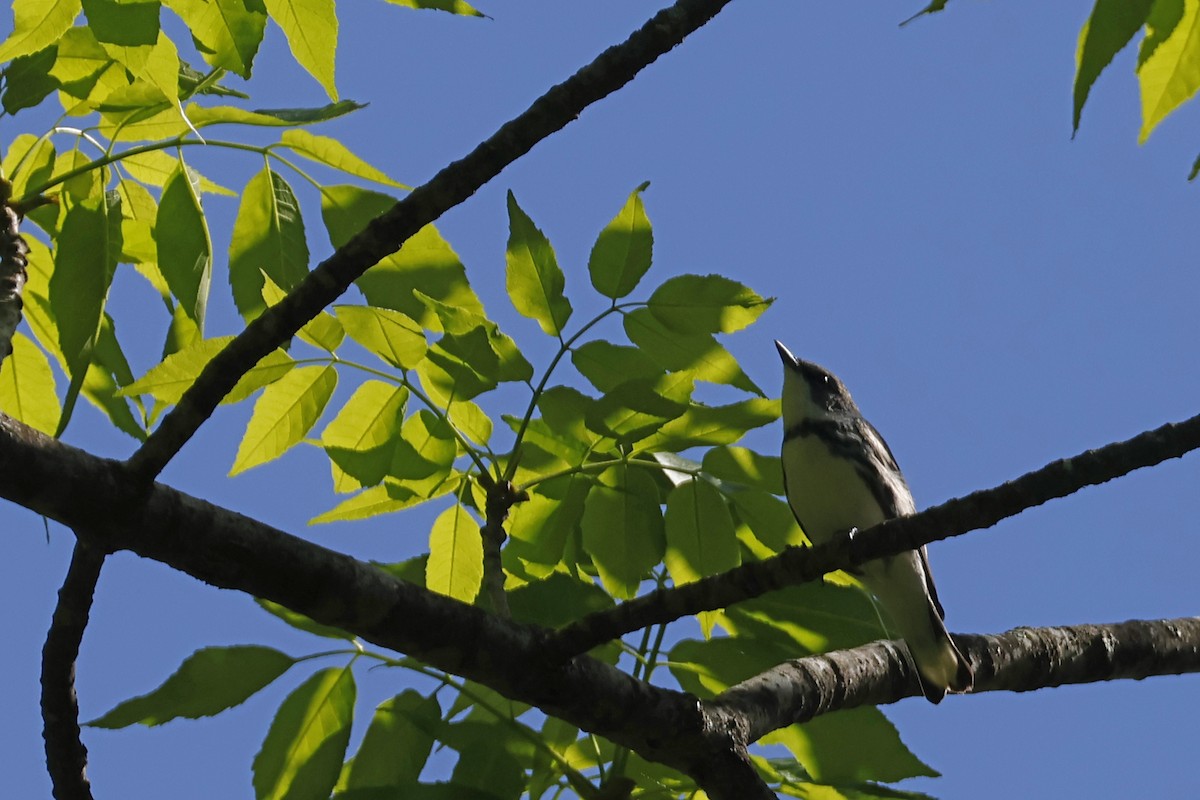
(940,664)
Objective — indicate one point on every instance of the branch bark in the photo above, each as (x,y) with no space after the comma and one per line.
(978,510)
(1021,660)
(66,755)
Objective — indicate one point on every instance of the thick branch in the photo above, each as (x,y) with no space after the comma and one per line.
(102,500)
(1021,660)
(384,235)
(66,756)
(977,510)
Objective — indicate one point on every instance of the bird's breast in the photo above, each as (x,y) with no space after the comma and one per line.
(827,494)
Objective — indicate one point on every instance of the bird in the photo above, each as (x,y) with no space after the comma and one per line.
(839,476)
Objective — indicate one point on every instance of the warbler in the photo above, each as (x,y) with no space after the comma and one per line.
(839,475)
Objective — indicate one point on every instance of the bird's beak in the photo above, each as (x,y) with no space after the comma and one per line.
(785,354)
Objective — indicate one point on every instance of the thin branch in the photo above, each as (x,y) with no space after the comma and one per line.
(385,234)
(978,510)
(1021,660)
(66,756)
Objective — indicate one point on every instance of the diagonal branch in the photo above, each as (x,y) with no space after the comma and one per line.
(1021,660)
(385,234)
(980,509)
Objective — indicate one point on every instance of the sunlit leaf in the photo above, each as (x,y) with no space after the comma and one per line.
(534,280)
(301,622)
(268,238)
(169,380)
(329,151)
(397,742)
(284,413)
(452,6)
(302,754)
(698,353)
(311,28)
(229,30)
(1169,61)
(27,389)
(37,24)
(27,81)
(606,365)
(455,565)
(638,407)
(700,304)
(362,432)
(323,330)
(623,251)
(391,335)
(383,499)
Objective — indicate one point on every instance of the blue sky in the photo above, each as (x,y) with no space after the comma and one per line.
(995,294)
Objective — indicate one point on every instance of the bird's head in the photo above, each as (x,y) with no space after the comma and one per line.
(810,391)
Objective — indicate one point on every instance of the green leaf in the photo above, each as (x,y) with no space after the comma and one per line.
(425,261)
(533,279)
(639,407)
(712,425)
(835,748)
(452,6)
(169,380)
(1169,62)
(697,353)
(623,529)
(1109,28)
(184,247)
(471,421)
(332,153)
(557,600)
(86,259)
(37,24)
(700,304)
(302,755)
(622,253)
(311,28)
(769,518)
(321,331)
(426,449)
(606,365)
(459,367)
(742,466)
(208,682)
(229,32)
(540,526)
(487,768)
(301,622)
(27,390)
(28,163)
(359,438)
(932,8)
(27,81)
(268,238)
(700,535)
(107,373)
(383,499)
(284,413)
(455,565)
(124,24)
(393,336)
(397,743)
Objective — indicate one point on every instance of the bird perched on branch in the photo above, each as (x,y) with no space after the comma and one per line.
(840,475)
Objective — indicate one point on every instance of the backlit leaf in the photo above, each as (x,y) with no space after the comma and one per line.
(455,565)
(623,529)
(268,237)
(700,304)
(184,247)
(391,335)
(27,390)
(302,754)
(284,413)
(623,250)
(311,28)
(534,280)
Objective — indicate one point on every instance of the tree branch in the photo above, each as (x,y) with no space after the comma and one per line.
(978,510)
(66,756)
(385,234)
(114,510)
(1021,660)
